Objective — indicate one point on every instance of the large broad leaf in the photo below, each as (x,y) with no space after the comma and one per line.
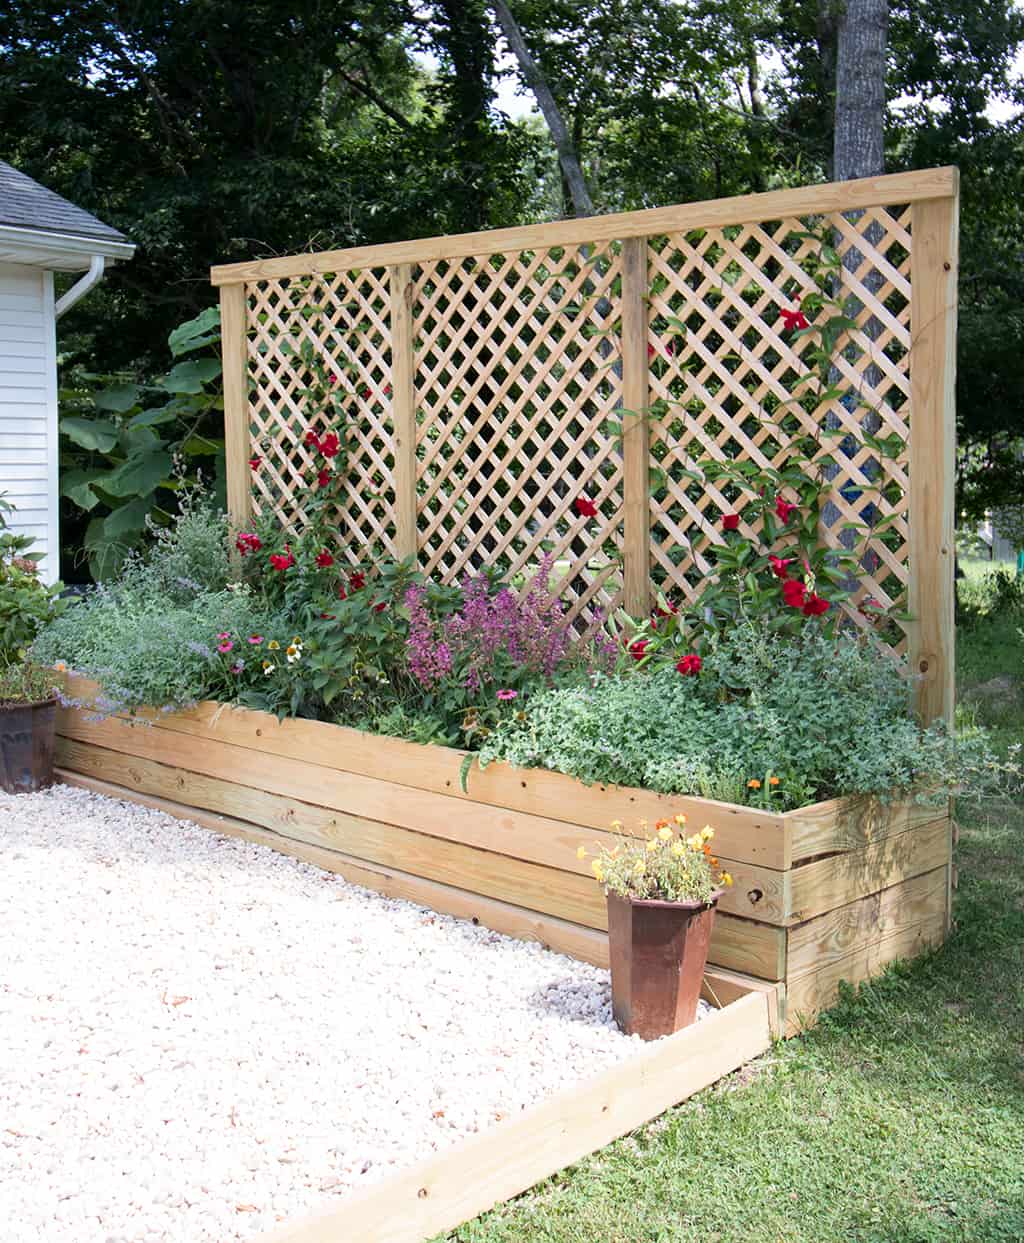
(203,330)
(127,519)
(201,446)
(76,485)
(158,415)
(119,398)
(95,434)
(106,556)
(139,476)
(191,376)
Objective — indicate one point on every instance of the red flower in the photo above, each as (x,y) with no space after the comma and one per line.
(784,510)
(650,350)
(254,463)
(386,390)
(379,608)
(638,648)
(324,559)
(671,611)
(246,541)
(323,478)
(365,394)
(332,379)
(328,616)
(793,320)
(584,507)
(690,665)
(730,522)
(670,347)
(357,581)
(330,444)
(282,560)
(815,606)
(794,593)
(779,565)
(342,593)
(313,439)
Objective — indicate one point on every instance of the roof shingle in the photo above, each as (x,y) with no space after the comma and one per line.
(25,204)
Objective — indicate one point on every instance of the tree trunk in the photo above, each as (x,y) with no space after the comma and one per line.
(568,157)
(859,149)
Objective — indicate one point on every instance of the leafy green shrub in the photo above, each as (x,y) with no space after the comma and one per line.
(26,602)
(774,721)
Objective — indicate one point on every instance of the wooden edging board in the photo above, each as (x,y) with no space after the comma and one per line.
(455,1186)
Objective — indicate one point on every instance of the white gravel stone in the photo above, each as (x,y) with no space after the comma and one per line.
(200,1038)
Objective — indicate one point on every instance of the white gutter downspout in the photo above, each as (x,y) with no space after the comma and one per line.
(81,287)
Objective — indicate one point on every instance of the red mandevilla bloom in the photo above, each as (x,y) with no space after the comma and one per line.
(323,478)
(690,665)
(282,560)
(780,566)
(793,320)
(584,507)
(379,608)
(330,444)
(785,509)
(794,593)
(638,648)
(324,559)
(254,463)
(313,439)
(247,541)
(815,606)
(730,522)
(357,581)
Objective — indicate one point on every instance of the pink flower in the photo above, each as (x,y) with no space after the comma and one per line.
(255,639)
(508,694)
(730,522)
(224,635)
(226,646)
(690,665)
(238,666)
(785,509)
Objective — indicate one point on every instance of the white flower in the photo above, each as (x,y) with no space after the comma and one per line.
(268,669)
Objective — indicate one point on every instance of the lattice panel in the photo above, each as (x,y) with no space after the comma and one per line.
(517,371)
(345,385)
(723,367)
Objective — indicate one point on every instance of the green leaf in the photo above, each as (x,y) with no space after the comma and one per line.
(119,398)
(158,415)
(190,377)
(76,486)
(139,476)
(95,434)
(464,767)
(127,519)
(195,333)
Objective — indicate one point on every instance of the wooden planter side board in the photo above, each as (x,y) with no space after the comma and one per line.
(830,892)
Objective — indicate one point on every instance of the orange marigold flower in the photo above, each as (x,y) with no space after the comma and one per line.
(753,784)
(773,781)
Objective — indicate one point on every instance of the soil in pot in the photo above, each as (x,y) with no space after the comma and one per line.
(658,952)
(26,746)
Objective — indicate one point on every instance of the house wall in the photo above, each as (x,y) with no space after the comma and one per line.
(28,407)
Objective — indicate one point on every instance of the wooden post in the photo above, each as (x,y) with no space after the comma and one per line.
(403,410)
(934,233)
(237,447)
(636,552)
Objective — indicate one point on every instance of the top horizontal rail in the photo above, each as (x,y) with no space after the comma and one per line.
(895,188)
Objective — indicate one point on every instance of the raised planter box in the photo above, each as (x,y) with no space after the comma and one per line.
(830,892)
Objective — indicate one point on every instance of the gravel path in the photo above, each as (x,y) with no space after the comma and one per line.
(201,1038)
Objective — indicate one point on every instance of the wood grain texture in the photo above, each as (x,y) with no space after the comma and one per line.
(454,1187)
(403,410)
(932,632)
(236,404)
(932,183)
(636,538)
(850,823)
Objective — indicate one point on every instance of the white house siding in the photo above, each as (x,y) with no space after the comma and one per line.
(28,407)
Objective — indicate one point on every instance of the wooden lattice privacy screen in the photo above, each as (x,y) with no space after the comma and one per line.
(495,378)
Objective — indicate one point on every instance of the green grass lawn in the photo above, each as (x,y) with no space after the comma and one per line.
(900,1118)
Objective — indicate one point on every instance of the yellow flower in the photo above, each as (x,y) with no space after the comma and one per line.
(680,819)
(695,842)
(597,869)
(581,853)
(753,784)
(639,867)
(707,833)
(725,879)
(653,844)
(665,834)
(274,646)
(616,825)
(296,639)
(678,850)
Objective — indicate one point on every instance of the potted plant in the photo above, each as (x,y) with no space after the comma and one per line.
(662,892)
(28,718)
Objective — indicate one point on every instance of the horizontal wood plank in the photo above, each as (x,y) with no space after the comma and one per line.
(850,823)
(896,188)
(455,1186)
(758,892)
(744,834)
(838,880)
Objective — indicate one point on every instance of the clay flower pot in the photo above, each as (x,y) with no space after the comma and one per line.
(658,952)
(26,746)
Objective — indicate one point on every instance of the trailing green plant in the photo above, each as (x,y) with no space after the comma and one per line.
(773,720)
(128,445)
(25,682)
(27,604)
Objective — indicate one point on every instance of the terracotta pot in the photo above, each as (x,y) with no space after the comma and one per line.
(658,952)
(26,746)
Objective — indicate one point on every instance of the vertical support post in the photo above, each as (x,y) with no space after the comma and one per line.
(403,409)
(636,541)
(237,449)
(932,636)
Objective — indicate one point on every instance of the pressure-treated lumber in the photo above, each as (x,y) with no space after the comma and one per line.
(453,1187)
(931,183)
(932,632)
(403,410)
(236,404)
(636,537)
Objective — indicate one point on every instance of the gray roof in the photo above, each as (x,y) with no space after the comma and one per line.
(25,204)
